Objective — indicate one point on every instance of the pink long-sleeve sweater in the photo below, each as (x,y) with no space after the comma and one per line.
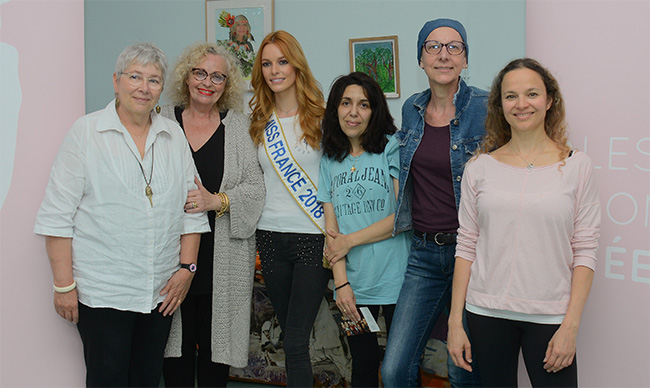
(525,231)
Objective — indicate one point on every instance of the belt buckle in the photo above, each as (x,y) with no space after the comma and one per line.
(435,239)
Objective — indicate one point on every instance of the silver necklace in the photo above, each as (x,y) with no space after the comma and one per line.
(529,165)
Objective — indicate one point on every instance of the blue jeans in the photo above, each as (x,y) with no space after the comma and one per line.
(425,293)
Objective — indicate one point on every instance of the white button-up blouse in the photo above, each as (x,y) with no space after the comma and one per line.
(123,249)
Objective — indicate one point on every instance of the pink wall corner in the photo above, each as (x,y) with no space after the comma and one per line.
(600,53)
(38,348)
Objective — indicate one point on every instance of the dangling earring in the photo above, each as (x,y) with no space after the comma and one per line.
(157,108)
(117,101)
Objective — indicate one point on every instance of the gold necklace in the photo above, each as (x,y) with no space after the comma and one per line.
(529,165)
(354,160)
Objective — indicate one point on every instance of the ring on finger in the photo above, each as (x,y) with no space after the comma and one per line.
(194,205)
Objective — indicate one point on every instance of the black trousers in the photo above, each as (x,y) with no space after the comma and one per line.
(123,348)
(292,265)
(495,348)
(365,351)
(196,313)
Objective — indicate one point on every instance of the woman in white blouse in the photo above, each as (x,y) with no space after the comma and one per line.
(122,250)
(529,226)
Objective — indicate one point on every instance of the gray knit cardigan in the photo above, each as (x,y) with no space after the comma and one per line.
(234,247)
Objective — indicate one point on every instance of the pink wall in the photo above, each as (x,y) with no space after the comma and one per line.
(599,51)
(38,349)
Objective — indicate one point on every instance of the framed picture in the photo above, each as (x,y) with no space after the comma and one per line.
(240,25)
(379,58)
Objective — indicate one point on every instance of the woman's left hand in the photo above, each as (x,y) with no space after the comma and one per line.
(561,349)
(176,290)
(201,200)
(337,247)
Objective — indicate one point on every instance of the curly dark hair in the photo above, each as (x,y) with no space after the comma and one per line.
(335,143)
(498,131)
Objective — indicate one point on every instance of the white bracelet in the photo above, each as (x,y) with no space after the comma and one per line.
(63,290)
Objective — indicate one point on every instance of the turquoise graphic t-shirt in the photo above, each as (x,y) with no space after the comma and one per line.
(361,191)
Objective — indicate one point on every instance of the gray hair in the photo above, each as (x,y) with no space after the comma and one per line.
(144,53)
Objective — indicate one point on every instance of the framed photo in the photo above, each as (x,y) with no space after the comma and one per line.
(379,58)
(240,25)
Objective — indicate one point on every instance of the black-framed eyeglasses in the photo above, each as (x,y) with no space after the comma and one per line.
(200,74)
(136,80)
(434,47)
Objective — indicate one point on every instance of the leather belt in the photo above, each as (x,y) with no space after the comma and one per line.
(438,238)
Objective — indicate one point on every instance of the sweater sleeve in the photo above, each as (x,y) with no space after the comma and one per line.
(584,241)
(247,195)
(468,229)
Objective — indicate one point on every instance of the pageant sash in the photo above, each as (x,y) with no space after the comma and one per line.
(294,178)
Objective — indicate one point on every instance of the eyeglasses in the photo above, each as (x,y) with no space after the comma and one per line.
(200,74)
(434,47)
(136,80)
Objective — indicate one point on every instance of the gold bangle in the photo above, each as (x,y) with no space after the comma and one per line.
(225,204)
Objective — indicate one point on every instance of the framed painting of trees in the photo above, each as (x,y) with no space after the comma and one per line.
(379,58)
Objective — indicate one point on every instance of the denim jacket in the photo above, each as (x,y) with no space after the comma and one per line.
(467,130)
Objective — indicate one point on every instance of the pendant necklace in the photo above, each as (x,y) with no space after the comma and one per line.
(529,165)
(354,160)
(147,190)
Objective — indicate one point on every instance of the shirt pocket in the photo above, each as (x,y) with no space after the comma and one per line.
(470,146)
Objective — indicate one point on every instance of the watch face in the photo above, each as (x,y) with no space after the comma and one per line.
(192,267)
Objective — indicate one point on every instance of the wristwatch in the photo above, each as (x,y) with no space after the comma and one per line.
(189,267)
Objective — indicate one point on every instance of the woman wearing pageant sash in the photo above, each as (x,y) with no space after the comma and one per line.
(207,100)
(287,108)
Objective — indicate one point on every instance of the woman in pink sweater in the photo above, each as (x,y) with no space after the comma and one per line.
(529,227)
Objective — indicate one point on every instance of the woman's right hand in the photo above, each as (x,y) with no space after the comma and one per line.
(347,303)
(66,305)
(460,350)
(201,200)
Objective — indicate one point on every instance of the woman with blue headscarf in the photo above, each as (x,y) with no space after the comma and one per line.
(441,128)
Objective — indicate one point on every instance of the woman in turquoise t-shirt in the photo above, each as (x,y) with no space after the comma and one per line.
(358,186)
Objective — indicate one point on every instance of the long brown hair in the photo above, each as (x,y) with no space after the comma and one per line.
(311,104)
(497,129)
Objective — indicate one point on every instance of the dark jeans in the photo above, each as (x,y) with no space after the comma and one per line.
(292,266)
(495,346)
(196,313)
(123,348)
(365,351)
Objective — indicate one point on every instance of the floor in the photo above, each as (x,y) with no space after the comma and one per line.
(245,384)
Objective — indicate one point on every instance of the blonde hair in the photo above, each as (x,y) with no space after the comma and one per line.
(233,95)
(311,103)
(233,28)
(497,129)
